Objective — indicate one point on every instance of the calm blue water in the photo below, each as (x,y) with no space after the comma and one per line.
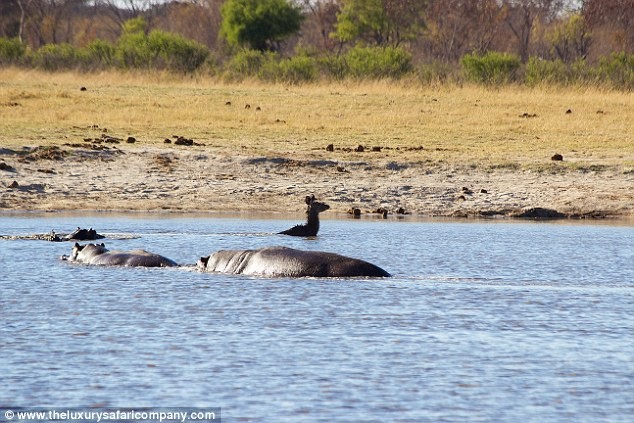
(483,321)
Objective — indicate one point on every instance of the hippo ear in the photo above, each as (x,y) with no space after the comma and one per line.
(103,245)
(77,245)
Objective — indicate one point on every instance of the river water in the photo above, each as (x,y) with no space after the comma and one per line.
(482,321)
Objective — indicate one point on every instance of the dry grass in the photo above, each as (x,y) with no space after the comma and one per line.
(470,126)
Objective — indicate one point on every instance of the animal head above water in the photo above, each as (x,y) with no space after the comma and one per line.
(202,262)
(315,207)
(80,252)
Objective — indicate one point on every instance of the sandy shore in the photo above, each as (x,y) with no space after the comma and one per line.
(198,179)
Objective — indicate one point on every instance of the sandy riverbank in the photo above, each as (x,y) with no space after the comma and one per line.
(198,178)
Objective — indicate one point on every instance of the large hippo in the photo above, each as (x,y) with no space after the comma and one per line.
(98,254)
(311,227)
(288,262)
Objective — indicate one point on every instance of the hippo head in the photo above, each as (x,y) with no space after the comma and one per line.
(83,252)
(202,263)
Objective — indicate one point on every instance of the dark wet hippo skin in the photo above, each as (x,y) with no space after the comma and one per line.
(288,262)
(311,227)
(83,235)
(98,254)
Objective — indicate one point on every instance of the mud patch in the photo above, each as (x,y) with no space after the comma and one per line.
(43,153)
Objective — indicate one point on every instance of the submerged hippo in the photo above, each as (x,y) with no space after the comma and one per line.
(311,227)
(98,254)
(83,235)
(288,262)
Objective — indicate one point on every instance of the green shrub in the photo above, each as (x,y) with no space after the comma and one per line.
(491,68)
(366,63)
(248,63)
(99,54)
(378,62)
(172,51)
(11,51)
(133,51)
(159,50)
(580,72)
(268,67)
(53,57)
(435,72)
(333,66)
(540,71)
(617,70)
(557,72)
(297,69)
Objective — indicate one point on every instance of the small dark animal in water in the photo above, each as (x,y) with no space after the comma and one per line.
(288,262)
(83,235)
(311,227)
(98,254)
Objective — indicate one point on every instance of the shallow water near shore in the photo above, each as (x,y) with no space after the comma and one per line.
(482,321)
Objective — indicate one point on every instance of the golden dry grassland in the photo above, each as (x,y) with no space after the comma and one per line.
(510,127)
(433,151)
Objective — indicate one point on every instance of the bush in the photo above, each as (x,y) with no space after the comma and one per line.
(333,66)
(133,51)
(99,54)
(53,57)
(617,70)
(268,67)
(491,68)
(378,62)
(248,63)
(160,50)
(297,69)
(11,51)
(435,72)
(540,71)
(172,51)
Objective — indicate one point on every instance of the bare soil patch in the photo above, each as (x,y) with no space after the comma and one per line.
(197,178)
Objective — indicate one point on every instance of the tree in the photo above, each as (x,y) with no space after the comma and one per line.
(524,14)
(10,18)
(198,20)
(122,10)
(570,39)
(457,27)
(259,24)
(320,22)
(49,21)
(611,23)
(380,22)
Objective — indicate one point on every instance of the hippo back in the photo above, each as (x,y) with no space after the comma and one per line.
(226,261)
(136,258)
(288,262)
(98,254)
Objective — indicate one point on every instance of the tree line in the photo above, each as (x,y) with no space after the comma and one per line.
(487,40)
